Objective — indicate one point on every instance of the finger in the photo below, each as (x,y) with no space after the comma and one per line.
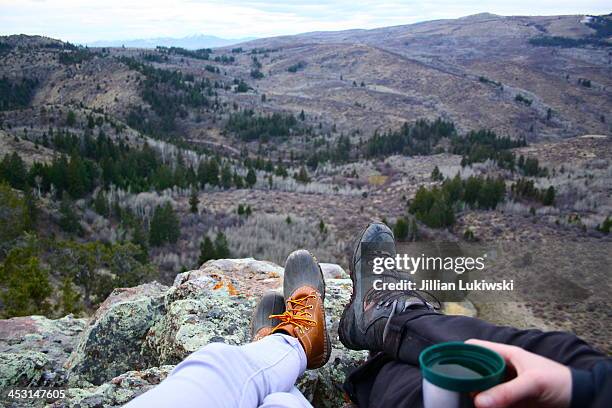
(507,352)
(507,394)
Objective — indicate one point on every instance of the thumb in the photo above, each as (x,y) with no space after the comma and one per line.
(506,394)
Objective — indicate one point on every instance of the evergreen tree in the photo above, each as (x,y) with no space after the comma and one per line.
(468,235)
(13,170)
(226,176)
(212,172)
(432,207)
(77,182)
(25,283)
(100,204)
(322,227)
(70,118)
(238,180)
(165,227)
(281,171)
(207,250)
(69,297)
(605,226)
(68,221)
(251,178)
(436,175)
(139,238)
(549,196)
(491,193)
(13,215)
(400,230)
(221,247)
(302,176)
(31,208)
(193,201)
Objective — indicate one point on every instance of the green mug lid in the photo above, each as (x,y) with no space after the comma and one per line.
(488,364)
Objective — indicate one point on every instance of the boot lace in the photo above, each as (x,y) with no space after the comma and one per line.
(296,314)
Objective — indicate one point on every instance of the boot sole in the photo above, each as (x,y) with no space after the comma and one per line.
(328,347)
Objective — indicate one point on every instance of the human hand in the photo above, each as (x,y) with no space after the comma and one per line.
(539,381)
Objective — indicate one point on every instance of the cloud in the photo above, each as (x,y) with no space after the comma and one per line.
(90,20)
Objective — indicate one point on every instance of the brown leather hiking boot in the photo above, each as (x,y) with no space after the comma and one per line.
(304,317)
(271,303)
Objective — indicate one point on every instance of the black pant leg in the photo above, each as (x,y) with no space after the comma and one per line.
(384,382)
(413,331)
(397,385)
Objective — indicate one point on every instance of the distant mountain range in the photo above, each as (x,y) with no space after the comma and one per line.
(192,42)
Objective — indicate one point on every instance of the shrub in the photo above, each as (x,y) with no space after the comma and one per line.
(400,229)
(522,99)
(297,67)
(468,235)
(256,74)
(605,225)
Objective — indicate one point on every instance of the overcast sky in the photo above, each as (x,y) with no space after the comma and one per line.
(83,21)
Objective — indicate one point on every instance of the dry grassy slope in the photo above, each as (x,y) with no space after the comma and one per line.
(99,83)
(428,70)
(26,149)
(432,69)
(396,89)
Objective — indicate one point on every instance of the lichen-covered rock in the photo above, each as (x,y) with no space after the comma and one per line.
(34,339)
(246,276)
(22,369)
(333,271)
(115,392)
(112,342)
(198,314)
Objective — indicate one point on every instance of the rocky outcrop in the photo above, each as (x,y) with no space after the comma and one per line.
(33,349)
(138,334)
(113,339)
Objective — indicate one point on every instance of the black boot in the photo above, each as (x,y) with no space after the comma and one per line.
(364,322)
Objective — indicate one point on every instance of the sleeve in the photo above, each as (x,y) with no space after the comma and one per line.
(592,388)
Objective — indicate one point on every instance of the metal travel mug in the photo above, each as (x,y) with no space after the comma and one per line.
(453,370)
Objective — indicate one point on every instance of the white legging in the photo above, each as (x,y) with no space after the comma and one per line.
(258,374)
